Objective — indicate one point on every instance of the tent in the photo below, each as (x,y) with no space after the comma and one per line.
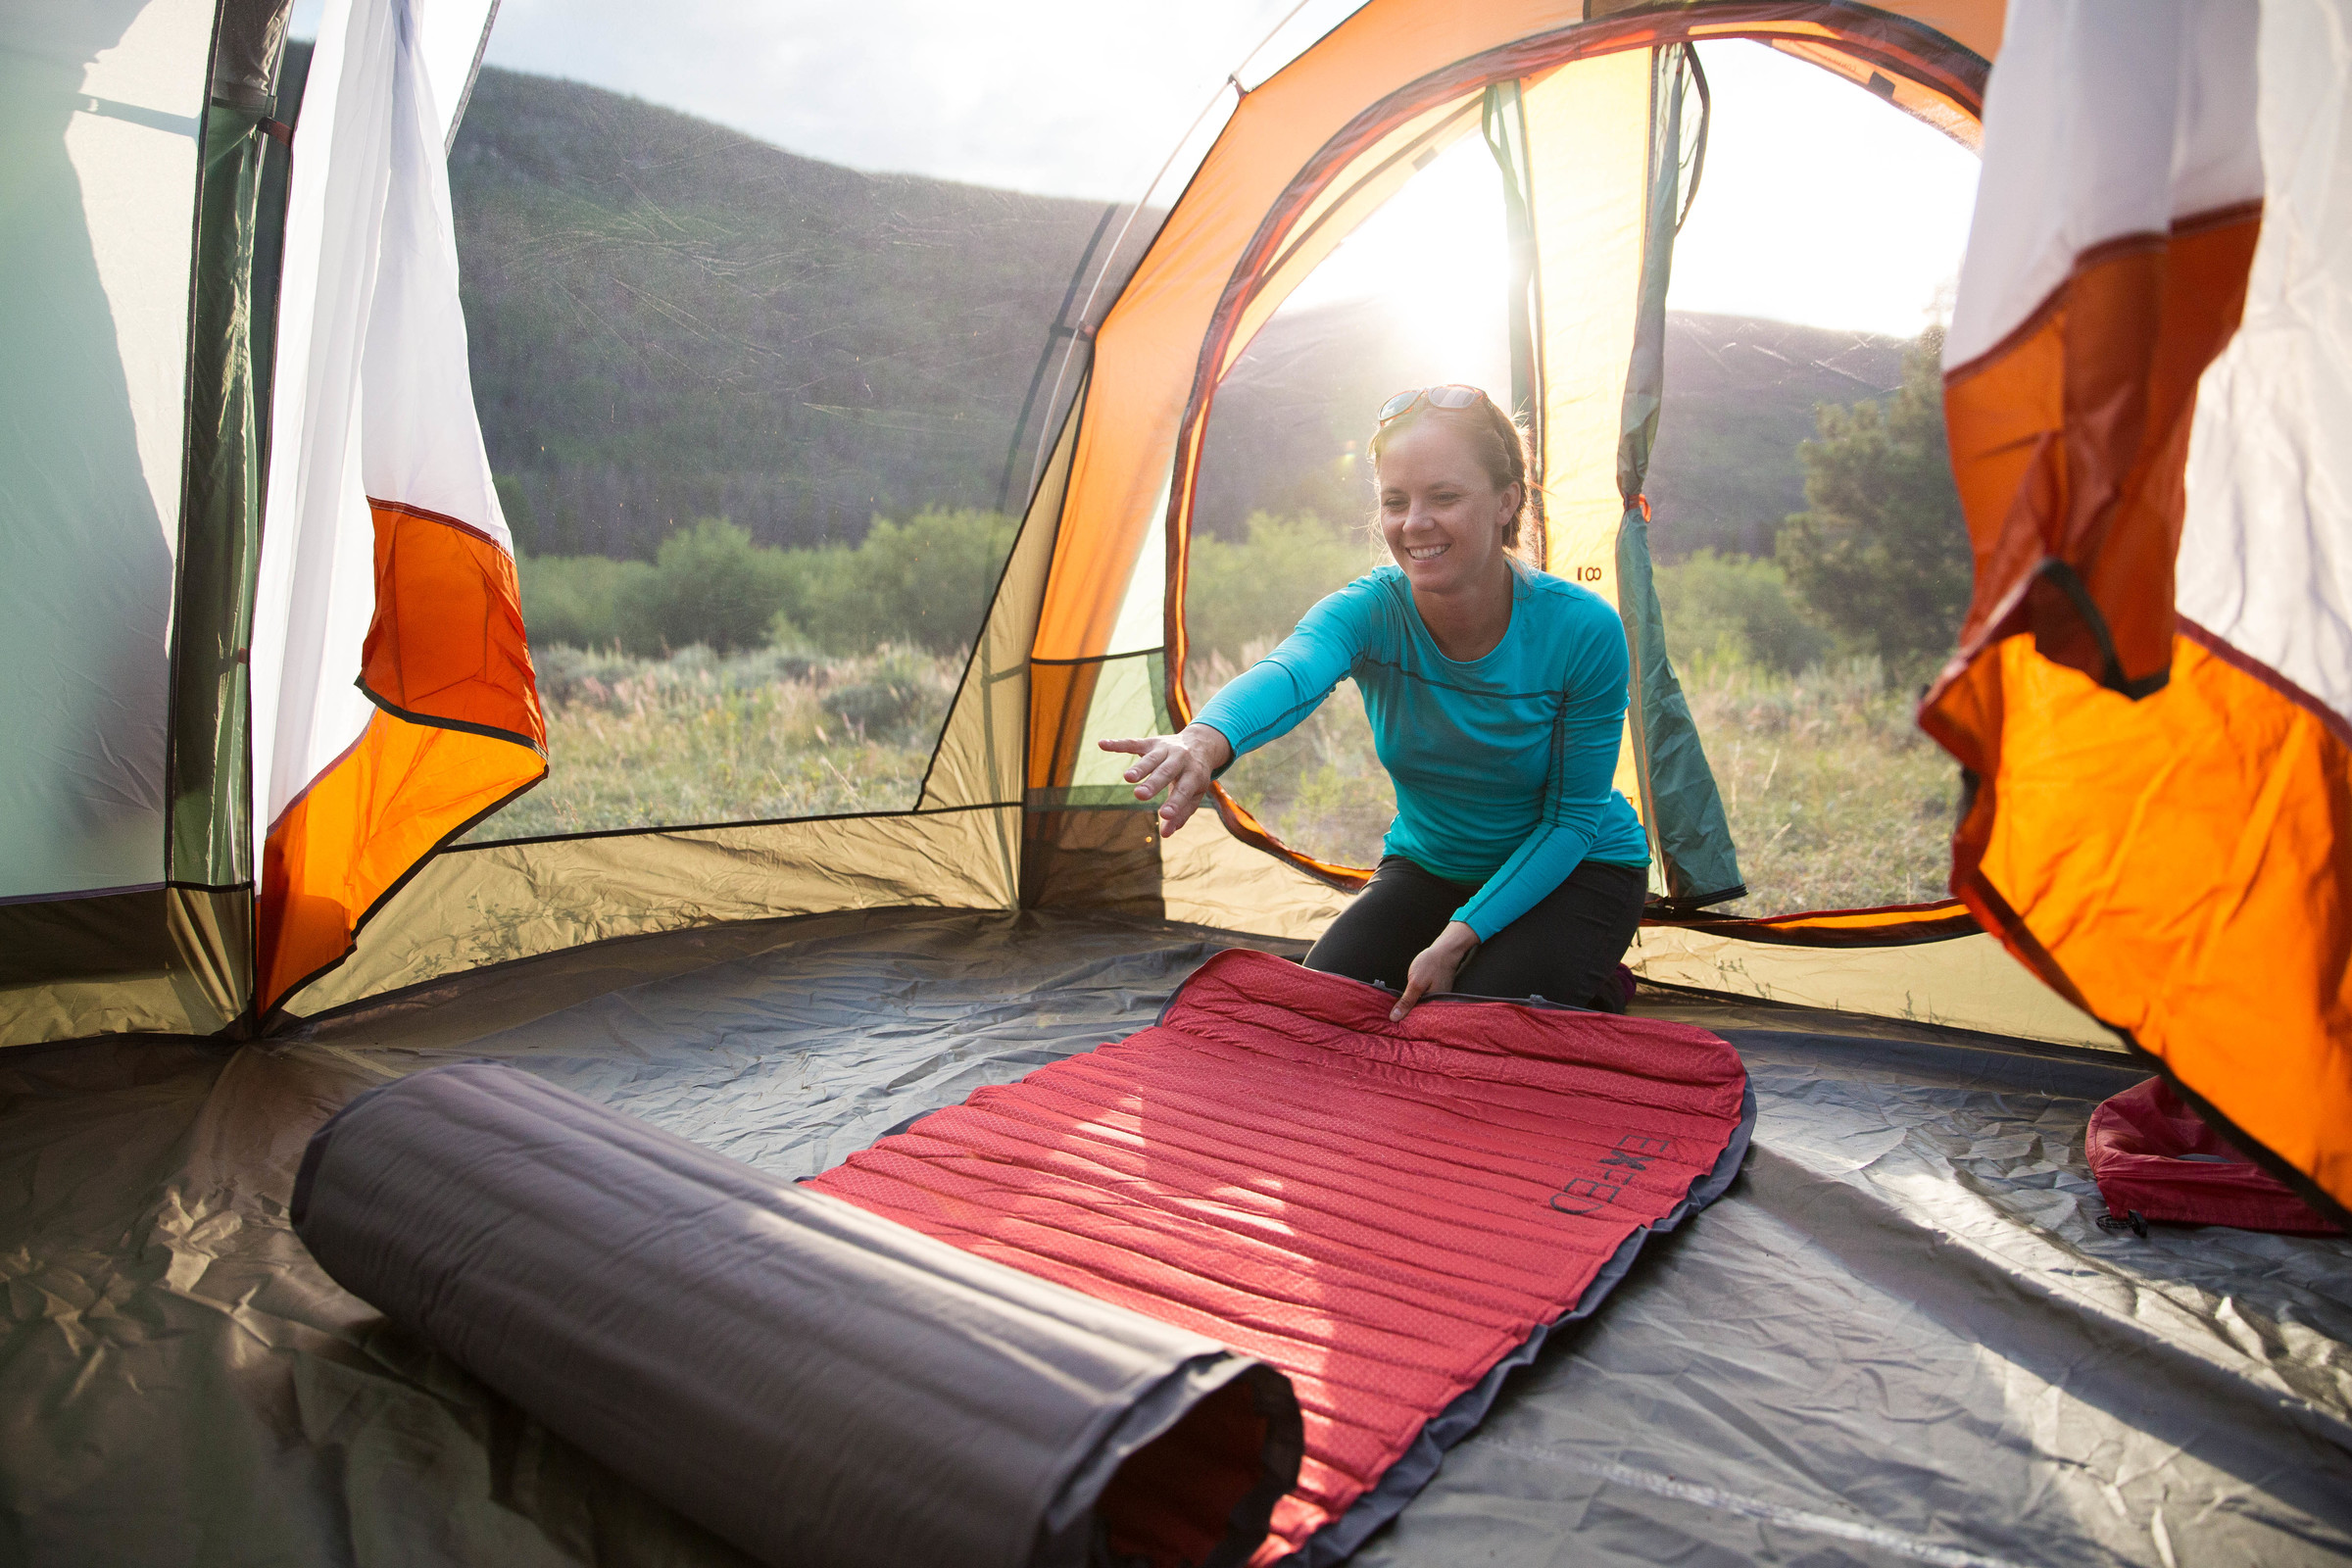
(276,669)
(238,823)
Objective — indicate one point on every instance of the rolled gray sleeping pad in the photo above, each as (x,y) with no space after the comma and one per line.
(815,1383)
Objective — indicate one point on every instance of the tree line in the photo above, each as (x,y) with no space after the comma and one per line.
(924,582)
(1876,564)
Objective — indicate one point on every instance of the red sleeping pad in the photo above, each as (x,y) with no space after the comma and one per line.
(2154,1159)
(1391,1213)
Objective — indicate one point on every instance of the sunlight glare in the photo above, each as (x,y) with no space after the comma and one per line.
(1820,205)
(1437,256)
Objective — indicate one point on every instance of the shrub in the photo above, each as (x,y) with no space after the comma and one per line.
(824,606)
(1255,590)
(710,585)
(929,578)
(896,697)
(1881,551)
(571,675)
(1736,608)
(924,582)
(582,601)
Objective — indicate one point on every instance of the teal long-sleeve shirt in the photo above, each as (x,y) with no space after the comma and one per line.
(1502,765)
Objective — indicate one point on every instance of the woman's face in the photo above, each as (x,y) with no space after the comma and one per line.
(1442,516)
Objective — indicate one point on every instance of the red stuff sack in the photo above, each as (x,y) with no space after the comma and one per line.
(2155,1158)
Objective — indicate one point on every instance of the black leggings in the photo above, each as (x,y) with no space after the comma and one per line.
(1566,949)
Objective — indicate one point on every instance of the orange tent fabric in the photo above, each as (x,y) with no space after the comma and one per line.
(458,733)
(2158,817)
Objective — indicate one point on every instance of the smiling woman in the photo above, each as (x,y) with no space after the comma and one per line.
(1495,693)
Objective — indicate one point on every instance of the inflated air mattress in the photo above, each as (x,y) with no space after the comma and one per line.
(817,1385)
(1393,1213)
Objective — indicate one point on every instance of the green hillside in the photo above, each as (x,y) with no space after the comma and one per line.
(1740,396)
(670,320)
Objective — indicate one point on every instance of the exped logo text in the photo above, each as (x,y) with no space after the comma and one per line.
(1585,1195)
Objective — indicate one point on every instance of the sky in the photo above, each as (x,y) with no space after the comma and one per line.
(1820,204)
(1059,97)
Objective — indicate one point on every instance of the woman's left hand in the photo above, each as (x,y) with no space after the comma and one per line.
(1436,966)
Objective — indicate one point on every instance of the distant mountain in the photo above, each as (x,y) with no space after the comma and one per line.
(1740,396)
(670,320)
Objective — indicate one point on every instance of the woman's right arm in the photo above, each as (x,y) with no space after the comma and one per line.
(1183,764)
(1264,703)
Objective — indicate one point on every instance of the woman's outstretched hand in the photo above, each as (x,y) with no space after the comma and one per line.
(1182,763)
(1435,968)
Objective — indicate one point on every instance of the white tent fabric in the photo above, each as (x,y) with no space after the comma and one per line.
(101,125)
(2145,399)
(2103,118)
(2266,548)
(372,395)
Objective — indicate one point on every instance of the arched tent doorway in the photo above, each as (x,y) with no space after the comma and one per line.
(999,810)
(399,873)
(1604,117)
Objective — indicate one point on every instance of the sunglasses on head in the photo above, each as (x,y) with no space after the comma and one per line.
(1452,396)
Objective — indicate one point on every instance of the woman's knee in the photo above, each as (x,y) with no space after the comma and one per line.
(1568,947)
(1380,933)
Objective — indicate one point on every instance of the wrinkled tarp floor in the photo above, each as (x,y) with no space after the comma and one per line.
(1900,1338)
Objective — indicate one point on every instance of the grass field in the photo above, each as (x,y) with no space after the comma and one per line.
(1836,800)
(695,738)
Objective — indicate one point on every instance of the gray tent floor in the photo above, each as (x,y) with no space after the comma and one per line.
(1900,1338)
